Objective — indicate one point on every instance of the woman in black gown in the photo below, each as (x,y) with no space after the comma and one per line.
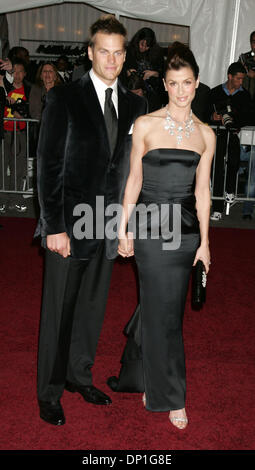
(169,168)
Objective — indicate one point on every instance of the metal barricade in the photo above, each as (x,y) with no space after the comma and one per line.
(29,188)
(245,181)
(245,177)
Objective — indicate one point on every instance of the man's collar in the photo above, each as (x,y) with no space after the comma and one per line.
(225,88)
(98,83)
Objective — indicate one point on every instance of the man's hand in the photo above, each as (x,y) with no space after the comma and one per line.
(17,115)
(251,73)
(130,71)
(126,245)
(150,73)
(60,243)
(10,99)
(6,65)
(216,117)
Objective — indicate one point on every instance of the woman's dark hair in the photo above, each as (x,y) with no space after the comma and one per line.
(144,33)
(179,56)
(154,54)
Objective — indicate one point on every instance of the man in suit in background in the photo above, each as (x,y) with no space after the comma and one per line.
(83,154)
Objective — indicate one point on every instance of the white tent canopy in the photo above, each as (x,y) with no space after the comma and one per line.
(219,29)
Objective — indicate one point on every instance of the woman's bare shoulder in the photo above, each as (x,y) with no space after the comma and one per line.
(209,135)
(205,130)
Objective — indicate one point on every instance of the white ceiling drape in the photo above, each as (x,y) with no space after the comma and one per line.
(212,24)
(158,10)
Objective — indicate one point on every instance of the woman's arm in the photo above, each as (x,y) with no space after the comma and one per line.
(203,196)
(133,185)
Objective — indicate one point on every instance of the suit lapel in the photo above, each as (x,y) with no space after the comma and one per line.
(124,117)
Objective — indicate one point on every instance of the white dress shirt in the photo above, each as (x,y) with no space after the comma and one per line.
(100,88)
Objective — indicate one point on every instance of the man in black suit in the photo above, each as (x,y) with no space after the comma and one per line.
(83,157)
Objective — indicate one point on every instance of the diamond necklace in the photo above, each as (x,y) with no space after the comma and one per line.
(176,128)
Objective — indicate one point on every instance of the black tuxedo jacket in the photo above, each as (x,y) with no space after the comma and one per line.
(74,160)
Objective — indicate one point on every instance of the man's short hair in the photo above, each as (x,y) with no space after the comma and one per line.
(15,51)
(106,24)
(17,61)
(236,67)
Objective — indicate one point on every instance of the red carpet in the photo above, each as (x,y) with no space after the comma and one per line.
(220,354)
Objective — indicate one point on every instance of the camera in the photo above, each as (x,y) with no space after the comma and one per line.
(21,106)
(139,74)
(248,60)
(227,113)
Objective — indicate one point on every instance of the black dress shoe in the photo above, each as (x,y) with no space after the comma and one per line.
(52,412)
(89,393)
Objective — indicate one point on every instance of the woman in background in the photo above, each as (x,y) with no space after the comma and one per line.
(145,58)
(46,78)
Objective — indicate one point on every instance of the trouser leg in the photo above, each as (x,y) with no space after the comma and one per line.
(6,165)
(233,163)
(15,159)
(250,186)
(62,280)
(88,317)
(219,168)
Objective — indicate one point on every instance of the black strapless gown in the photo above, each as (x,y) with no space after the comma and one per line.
(153,358)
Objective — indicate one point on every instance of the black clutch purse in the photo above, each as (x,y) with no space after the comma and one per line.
(199,279)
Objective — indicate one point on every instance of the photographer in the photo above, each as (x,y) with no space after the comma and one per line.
(146,58)
(231,107)
(248,61)
(17,107)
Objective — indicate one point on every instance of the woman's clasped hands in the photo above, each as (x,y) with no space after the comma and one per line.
(126,245)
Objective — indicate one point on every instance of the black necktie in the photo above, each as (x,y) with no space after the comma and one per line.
(111,120)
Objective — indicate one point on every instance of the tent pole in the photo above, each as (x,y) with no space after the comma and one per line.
(234,34)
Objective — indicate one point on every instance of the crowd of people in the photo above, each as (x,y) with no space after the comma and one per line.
(229,105)
(23,90)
